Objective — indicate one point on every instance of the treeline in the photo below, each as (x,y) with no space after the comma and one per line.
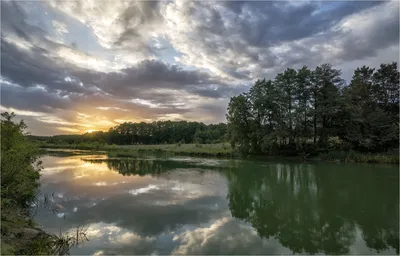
(160,132)
(313,111)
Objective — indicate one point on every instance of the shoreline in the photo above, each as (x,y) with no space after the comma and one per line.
(223,150)
(21,235)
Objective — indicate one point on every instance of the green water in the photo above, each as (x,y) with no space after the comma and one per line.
(208,206)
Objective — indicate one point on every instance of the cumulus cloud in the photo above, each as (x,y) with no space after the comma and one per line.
(150,60)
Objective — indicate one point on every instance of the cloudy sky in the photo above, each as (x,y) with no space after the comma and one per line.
(74,66)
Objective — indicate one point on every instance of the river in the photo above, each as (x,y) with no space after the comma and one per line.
(183,205)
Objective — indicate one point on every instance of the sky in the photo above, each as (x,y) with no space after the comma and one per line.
(76,66)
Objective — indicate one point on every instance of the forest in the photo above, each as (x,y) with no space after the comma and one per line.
(160,132)
(314,111)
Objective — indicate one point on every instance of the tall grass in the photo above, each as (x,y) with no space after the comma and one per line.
(224,150)
(217,150)
(356,157)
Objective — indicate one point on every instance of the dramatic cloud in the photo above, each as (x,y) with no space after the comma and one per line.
(95,65)
(247,40)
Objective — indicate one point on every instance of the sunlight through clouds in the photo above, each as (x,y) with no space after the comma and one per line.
(87,65)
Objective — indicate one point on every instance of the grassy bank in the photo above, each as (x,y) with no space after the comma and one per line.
(20,235)
(210,150)
(357,157)
(224,150)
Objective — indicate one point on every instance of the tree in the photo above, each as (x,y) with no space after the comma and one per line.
(303,99)
(329,84)
(386,84)
(240,122)
(286,84)
(370,120)
(279,116)
(19,164)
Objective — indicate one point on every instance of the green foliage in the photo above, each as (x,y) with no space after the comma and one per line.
(19,164)
(19,180)
(239,122)
(160,132)
(300,111)
(20,174)
(357,157)
(371,109)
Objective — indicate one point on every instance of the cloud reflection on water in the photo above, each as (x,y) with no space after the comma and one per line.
(173,207)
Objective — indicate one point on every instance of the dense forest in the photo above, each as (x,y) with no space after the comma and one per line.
(160,132)
(314,111)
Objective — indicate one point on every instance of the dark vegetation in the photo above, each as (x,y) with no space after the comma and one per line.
(160,132)
(20,174)
(312,112)
(19,182)
(304,113)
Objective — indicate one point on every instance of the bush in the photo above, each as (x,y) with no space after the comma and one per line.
(19,164)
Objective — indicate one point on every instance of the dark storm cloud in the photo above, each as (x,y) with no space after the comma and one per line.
(217,91)
(279,21)
(34,99)
(365,41)
(151,74)
(380,35)
(241,39)
(36,69)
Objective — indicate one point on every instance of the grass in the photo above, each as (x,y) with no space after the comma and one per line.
(222,150)
(217,150)
(357,157)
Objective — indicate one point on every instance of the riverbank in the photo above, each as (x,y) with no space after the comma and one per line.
(205,150)
(21,236)
(357,157)
(20,187)
(225,150)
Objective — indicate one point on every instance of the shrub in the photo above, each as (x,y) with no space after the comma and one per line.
(19,163)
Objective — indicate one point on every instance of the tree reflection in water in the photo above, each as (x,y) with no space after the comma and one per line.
(308,208)
(316,210)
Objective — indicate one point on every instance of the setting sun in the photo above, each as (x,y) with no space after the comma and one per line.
(90,131)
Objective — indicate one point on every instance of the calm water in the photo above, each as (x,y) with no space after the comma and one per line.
(207,206)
